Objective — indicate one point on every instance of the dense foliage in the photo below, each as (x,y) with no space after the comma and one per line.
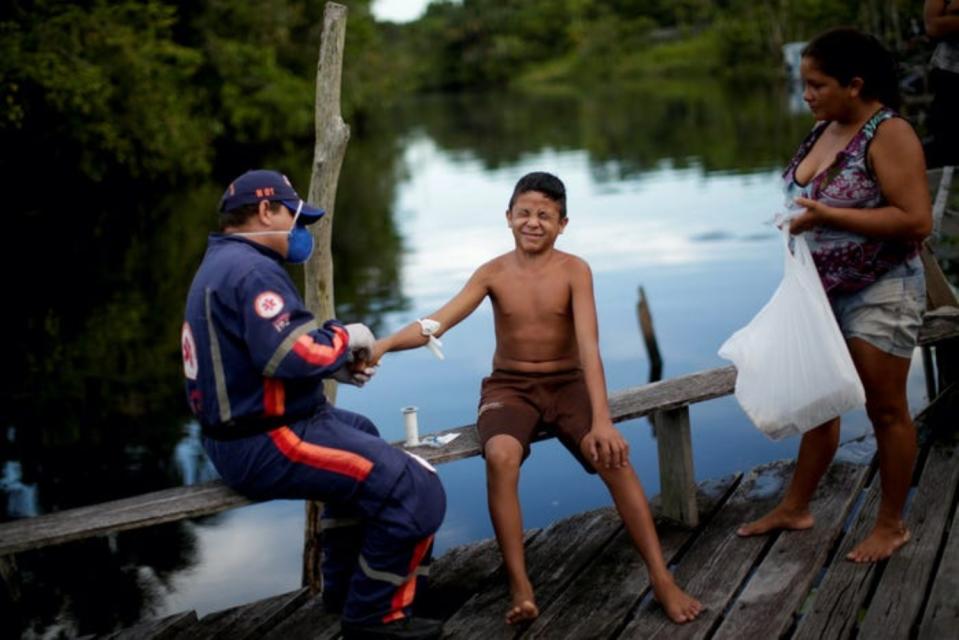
(491,42)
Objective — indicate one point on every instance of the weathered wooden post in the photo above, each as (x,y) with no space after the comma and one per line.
(677,481)
(939,294)
(332,135)
(649,337)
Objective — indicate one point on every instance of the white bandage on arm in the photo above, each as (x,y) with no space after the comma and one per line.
(428,327)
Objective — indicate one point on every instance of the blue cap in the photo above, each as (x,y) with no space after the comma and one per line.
(263,184)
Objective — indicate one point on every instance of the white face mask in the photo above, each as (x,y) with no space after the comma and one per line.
(300,243)
(296,215)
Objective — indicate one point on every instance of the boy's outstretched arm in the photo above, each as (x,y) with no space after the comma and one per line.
(606,446)
(449,315)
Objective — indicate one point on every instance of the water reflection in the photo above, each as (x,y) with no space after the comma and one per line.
(669,188)
(190,459)
(21,498)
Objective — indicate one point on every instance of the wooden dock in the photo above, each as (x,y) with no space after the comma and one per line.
(591,583)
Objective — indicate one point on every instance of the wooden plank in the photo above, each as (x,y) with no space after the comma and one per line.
(597,601)
(308,622)
(894,609)
(718,562)
(187,502)
(247,621)
(846,586)
(938,325)
(941,616)
(672,393)
(938,291)
(461,573)
(674,447)
(834,610)
(553,559)
(145,510)
(162,629)
(942,199)
(623,405)
(766,606)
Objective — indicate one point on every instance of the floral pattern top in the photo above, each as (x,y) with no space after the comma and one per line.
(848,261)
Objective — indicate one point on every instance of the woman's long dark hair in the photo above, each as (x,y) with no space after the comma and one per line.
(846,53)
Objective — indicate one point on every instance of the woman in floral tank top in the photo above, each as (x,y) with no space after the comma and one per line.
(858,183)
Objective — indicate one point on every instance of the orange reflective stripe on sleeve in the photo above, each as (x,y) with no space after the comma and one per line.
(274,397)
(325,458)
(320,354)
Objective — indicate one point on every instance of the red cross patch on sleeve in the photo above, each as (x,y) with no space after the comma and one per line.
(188,347)
(268,304)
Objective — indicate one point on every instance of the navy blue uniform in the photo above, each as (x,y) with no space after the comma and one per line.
(254,360)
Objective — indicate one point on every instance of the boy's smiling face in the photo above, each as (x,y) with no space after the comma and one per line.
(536,222)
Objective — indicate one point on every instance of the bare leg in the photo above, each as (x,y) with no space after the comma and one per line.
(884,378)
(816,451)
(630,500)
(503,457)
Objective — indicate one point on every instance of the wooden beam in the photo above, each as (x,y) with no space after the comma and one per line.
(145,510)
(187,502)
(942,199)
(938,325)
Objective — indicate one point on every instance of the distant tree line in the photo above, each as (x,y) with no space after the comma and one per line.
(490,42)
(166,90)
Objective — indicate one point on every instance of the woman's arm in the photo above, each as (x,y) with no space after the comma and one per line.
(897,160)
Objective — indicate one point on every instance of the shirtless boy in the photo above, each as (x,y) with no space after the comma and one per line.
(546,372)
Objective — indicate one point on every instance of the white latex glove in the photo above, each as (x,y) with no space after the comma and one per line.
(361,341)
(356,378)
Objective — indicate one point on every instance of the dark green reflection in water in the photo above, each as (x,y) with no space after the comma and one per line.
(95,395)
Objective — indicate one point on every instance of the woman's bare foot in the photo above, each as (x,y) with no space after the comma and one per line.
(880,544)
(679,606)
(779,518)
(523,608)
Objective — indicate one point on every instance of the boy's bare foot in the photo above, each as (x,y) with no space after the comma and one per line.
(678,605)
(523,609)
(779,518)
(880,544)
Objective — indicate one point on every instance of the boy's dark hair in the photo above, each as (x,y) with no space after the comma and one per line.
(238,217)
(547,184)
(845,53)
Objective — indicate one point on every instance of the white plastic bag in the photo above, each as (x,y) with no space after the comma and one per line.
(794,371)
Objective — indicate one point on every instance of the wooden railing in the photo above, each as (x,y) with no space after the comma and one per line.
(666,401)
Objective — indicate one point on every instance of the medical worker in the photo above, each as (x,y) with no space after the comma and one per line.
(254,359)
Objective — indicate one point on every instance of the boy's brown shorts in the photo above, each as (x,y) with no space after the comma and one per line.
(519,404)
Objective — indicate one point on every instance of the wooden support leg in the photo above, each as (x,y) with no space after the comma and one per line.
(9,578)
(678,482)
(313,548)
(929,373)
(947,362)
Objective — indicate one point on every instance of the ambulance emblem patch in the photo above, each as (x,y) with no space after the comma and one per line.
(268,304)
(188,347)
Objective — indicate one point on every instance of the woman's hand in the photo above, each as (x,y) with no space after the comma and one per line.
(813,216)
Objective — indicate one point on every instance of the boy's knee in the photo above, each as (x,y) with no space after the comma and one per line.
(503,453)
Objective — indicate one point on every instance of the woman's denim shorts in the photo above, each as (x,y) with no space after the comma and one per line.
(886,314)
